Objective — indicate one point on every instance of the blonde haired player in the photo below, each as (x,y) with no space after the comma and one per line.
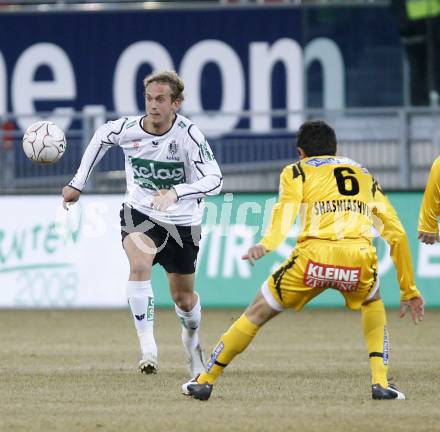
(430,208)
(170,169)
(338,200)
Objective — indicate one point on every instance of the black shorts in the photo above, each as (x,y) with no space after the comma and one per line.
(177,245)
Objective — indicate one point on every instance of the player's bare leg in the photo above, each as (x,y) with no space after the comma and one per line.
(187,306)
(140,250)
(231,343)
(376,336)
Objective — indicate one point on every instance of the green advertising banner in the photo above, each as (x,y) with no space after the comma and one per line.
(53,258)
(233,222)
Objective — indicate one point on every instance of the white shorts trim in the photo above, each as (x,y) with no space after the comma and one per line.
(265,291)
(374,290)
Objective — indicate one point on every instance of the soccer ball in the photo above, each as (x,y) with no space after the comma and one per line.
(44,142)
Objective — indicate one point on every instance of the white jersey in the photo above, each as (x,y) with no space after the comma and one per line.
(180,158)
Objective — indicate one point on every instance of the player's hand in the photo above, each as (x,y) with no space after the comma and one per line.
(163,199)
(255,253)
(428,238)
(70,196)
(416,306)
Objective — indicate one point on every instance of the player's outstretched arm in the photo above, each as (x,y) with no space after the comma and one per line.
(416,306)
(393,232)
(255,253)
(285,210)
(105,136)
(430,207)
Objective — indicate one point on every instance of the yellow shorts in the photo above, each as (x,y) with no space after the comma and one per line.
(316,265)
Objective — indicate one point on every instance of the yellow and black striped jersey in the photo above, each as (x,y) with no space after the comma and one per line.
(430,209)
(337,199)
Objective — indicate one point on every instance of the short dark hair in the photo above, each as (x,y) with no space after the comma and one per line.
(316,138)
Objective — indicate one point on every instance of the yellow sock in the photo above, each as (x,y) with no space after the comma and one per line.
(376,337)
(233,342)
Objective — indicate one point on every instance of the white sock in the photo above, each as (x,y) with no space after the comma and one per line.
(190,324)
(141,300)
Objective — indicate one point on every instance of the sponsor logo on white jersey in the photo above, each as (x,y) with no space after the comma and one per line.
(328,276)
(173,151)
(152,174)
(206,151)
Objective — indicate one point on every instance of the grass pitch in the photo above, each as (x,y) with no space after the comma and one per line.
(76,371)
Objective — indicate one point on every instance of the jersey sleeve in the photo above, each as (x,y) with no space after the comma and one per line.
(106,136)
(201,161)
(430,208)
(393,232)
(286,208)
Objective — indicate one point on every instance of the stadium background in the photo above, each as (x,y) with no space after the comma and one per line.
(253,73)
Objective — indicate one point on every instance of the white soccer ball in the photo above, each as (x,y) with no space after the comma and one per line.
(44,142)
